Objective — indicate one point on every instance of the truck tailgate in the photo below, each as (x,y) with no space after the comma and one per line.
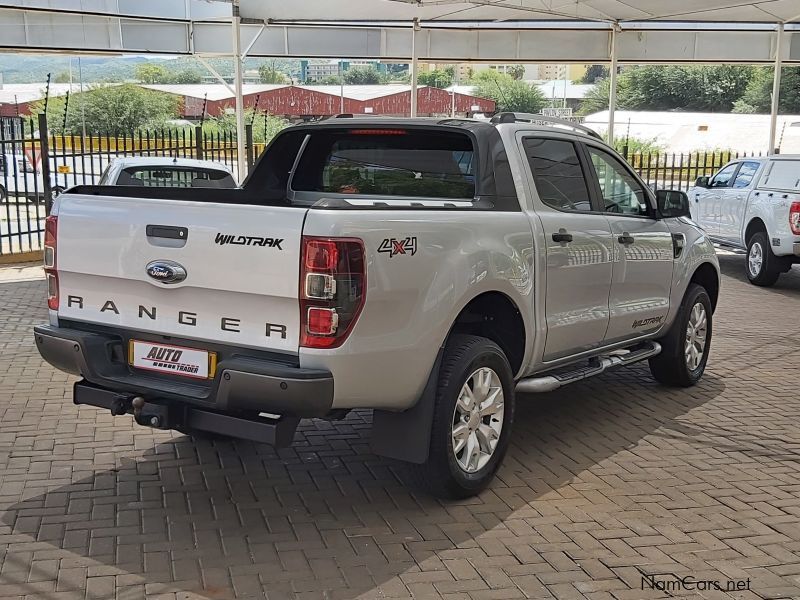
(241,264)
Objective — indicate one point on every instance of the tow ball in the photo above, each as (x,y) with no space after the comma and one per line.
(147,413)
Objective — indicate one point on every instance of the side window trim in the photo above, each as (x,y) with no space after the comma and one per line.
(579,151)
(599,192)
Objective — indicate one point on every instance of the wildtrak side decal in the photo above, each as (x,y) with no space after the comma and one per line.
(645,322)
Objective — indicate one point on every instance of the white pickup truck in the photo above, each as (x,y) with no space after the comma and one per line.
(754,204)
(427,269)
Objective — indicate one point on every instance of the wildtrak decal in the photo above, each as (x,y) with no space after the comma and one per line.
(248,240)
(393,246)
(645,322)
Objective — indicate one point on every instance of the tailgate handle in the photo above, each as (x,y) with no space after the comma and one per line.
(167,231)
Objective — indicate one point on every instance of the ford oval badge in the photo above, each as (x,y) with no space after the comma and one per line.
(166,271)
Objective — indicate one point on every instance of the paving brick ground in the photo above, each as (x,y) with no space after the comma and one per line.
(606,483)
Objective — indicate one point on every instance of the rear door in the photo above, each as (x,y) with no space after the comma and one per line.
(241,264)
(641,249)
(577,244)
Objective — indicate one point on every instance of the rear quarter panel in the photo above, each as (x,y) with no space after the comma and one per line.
(771,207)
(412,299)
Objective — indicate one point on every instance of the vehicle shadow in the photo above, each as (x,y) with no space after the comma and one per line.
(734,265)
(225,519)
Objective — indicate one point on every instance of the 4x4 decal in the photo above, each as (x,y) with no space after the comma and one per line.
(402,246)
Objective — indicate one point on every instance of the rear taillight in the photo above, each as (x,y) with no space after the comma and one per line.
(51,260)
(794,217)
(332,290)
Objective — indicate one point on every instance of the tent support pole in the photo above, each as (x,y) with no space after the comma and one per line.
(414,67)
(776,90)
(612,92)
(236,22)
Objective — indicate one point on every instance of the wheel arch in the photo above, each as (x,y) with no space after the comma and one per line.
(406,435)
(494,315)
(707,276)
(755,225)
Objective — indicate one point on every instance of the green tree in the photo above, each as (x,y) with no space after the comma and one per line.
(516,71)
(691,88)
(111,109)
(594,73)
(674,87)
(757,97)
(509,94)
(362,76)
(438,78)
(61,77)
(327,80)
(265,126)
(269,73)
(184,76)
(150,73)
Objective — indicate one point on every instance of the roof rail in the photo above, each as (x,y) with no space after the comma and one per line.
(512,117)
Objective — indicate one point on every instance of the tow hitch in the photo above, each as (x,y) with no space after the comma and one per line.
(165,414)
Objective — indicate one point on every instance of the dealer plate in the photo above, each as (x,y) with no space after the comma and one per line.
(176,360)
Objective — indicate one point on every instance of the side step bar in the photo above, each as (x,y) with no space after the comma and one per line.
(619,358)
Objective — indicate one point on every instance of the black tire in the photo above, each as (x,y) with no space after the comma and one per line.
(442,475)
(770,267)
(671,367)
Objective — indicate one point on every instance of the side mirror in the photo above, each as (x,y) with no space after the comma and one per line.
(672,203)
(702,182)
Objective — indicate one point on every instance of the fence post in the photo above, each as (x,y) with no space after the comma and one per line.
(198,142)
(44,151)
(248,141)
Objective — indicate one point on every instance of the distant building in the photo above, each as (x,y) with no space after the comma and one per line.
(312,101)
(319,70)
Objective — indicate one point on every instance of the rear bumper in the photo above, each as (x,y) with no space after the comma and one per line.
(240,384)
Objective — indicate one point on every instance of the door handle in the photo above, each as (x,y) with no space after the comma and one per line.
(626,238)
(562,236)
(167,231)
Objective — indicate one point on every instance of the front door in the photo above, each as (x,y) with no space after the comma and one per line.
(708,201)
(733,202)
(577,246)
(642,250)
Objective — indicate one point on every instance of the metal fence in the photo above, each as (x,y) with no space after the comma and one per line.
(36,166)
(676,171)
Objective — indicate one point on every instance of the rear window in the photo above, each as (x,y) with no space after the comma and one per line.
(388,162)
(783,175)
(174,177)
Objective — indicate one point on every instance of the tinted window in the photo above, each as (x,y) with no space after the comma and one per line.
(723,178)
(557,173)
(745,175)
(783,175)
(175,177)
(620,191)
(391,162)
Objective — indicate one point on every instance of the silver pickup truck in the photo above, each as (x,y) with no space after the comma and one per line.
(427,269)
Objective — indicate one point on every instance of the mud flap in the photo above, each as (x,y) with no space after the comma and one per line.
(406,435)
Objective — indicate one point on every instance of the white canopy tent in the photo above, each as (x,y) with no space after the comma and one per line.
(587,31)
